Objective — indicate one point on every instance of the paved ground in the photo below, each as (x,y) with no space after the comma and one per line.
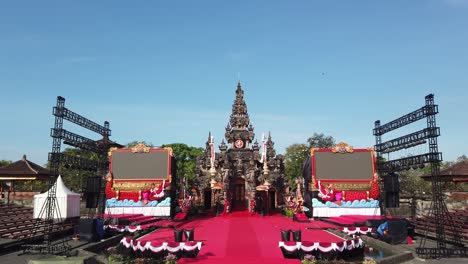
(17,258)
(431,244)
(443,260)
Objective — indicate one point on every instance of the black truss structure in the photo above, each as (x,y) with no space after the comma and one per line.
(408,141)
(406,119)
(56,159)
(409,162)
(61,111)
(77,162)
(77,141)
(438,210)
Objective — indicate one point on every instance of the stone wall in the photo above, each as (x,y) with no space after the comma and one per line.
(419,206)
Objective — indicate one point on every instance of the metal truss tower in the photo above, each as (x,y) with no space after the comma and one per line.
(438,210)
(50,213)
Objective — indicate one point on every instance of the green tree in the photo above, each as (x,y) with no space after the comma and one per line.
(134,143)
(411,182)
(74,177)
(294,160)
(320,141)
(4,162)
(186,160)
(297,153)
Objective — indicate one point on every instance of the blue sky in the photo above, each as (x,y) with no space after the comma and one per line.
(166,71)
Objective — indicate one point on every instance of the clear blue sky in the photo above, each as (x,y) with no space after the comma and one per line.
(166,71)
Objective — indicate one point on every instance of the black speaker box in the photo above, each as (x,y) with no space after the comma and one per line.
(397,231)
(93,184)
(92,200)
(285,235)
(392,199)
(87,229)
(297,235)
(178,235)
(189,234)
(391,183)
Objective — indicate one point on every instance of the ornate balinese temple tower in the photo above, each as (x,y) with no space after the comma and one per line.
(241,170)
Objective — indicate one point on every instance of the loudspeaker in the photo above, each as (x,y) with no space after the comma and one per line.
(92,200)
(87,229)
(93,189)
(189,235)
(285,235)
(397,231)
(392,199)
(391,183)
(93,184)
(297,235)
(178,235)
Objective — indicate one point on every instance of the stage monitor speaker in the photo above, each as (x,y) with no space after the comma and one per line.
(397,231)
(178,235)
(87,229)
(93,184)
(285,235)
(392,199)
(189,234)
(391,183)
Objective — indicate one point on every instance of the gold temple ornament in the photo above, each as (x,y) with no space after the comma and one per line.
(140,148)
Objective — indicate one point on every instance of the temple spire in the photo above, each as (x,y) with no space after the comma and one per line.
(239,118)
(239,128)
(270,151)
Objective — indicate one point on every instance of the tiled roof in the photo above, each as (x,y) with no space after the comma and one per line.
(457,169)
(23,168)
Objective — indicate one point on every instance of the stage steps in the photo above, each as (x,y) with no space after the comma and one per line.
(237,260)
(350,221)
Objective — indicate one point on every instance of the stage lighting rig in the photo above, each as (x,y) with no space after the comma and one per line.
(408,141)
(409,162)
(62,112)
(77,162)
(407,119)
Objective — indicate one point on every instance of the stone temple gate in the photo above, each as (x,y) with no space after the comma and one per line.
(241,170)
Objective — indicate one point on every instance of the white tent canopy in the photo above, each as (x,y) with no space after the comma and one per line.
(68,202)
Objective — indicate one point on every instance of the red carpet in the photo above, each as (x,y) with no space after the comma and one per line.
(241,238)
(238,238)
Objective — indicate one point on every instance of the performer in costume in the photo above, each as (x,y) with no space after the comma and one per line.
(252,205)
(226,207)
(329,194)
(157,193)
(325,193)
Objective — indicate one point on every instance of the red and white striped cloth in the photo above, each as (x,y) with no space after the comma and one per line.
(357,230)
(156,246)
(324,247)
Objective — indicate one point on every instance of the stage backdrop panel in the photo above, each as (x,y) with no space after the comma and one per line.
(349,170)
(140,166)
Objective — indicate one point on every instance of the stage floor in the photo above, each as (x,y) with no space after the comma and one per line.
(241,238)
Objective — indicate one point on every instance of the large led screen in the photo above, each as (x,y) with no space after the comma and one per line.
(140,166)
(343,166)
